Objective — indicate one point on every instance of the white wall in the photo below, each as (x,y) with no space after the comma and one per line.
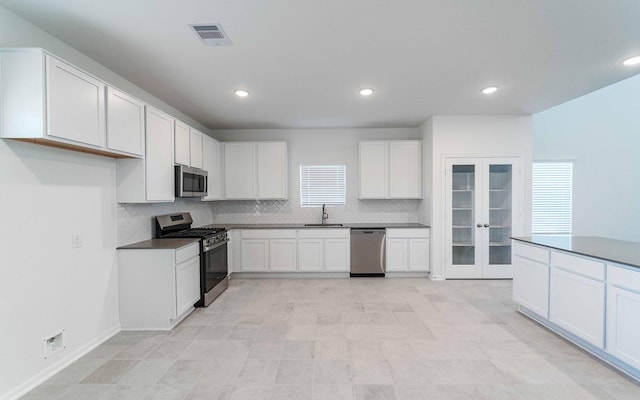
(318,146)
(46,196)
(600,132)
(473,136)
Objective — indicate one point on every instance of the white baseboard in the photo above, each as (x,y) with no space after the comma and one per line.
(288,275)
(31,383)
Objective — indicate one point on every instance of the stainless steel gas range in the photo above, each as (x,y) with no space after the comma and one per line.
(213,252)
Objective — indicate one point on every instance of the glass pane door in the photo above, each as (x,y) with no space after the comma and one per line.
(500,213)
(463,197)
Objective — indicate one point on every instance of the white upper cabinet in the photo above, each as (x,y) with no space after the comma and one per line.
(255,170)
(188,145)
(182,147)
(46,99)
(125,123)
(195,148)
(405,169)
(240,170)
(212,163)
(272,170)
(152,179)
(159,159)
(390,169)
(75,104)
(53,103)
(374,165)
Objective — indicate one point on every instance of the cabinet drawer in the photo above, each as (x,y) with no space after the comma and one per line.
(187,252)
(583,266)
(268,234)
(531,252)
(322,233)
(622,277)
(421,233)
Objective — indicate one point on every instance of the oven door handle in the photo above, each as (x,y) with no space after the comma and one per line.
(215,246)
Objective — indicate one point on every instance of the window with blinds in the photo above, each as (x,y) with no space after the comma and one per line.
(322,184)
(552,198)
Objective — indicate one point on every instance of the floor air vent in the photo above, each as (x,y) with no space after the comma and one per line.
(212,34)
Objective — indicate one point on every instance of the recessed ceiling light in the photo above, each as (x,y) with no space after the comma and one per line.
(632,61)
(490,89)
(366,92)
(241,93)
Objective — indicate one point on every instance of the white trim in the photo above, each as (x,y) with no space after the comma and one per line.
(47,373)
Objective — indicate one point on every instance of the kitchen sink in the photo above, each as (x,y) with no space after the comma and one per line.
(327,225)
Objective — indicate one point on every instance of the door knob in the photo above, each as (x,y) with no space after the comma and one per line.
(486,225)
(479,225)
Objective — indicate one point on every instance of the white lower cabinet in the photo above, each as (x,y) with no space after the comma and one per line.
(577,305)
(407,250)
(282,255)
(310,255)
(531,285)
(255,255)
(531,278)
(264,250)
(337,255)
(577,296)
(324,250)
(157,288)
(623,314)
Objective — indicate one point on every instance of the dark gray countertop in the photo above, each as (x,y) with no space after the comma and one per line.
(177,243)
(618,251)
(301,226)
(166,244)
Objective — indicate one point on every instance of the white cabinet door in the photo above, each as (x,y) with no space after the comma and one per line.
(483,209)
(75,104)
(240,171)
(374,170)
(211,162)
(397,255)
(182,143)
(195,148)
(405,169)
(623,329)
(125,123)
(272,170)
(282,255)
(337,255)
(255,255)
(159,157)
(187,284)
(419,255)
(531,285)
(577,304)
(310,255)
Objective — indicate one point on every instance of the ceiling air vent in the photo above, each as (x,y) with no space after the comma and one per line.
(211,34)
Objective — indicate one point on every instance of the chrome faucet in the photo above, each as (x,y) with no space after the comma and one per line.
(324,214)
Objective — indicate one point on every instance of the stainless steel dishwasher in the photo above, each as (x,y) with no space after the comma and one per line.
(368,252)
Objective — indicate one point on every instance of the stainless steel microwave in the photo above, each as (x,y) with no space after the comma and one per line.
(191,182)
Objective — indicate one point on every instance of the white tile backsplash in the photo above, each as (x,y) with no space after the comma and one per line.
(290,212)
(136,221)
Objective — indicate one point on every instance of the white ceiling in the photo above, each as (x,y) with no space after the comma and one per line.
(304,60)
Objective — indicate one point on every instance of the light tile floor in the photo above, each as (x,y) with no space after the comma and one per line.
(382,339)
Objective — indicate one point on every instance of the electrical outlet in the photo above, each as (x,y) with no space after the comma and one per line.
(53,344)
(76,241)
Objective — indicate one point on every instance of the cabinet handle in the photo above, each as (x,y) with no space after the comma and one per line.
(486,225)
(479,225)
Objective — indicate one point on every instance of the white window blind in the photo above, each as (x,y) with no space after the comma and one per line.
(552,197)
(322,184)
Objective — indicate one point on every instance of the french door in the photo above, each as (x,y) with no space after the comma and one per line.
(483,210)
